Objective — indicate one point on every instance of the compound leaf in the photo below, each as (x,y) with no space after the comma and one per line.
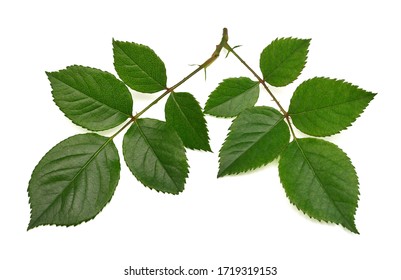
(323,106)
(232,96)
(74,181)
(257,136)
(156,156)
(320,180)
(282,61)
(139,67)
(91,98)
(185,115)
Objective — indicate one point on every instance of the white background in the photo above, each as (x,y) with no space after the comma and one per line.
(233,221)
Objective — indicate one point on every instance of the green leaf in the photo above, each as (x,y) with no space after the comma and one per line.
(232,96)
(184,114)
(282,61)
(257,136)
(156,156)
(139,67)
(74,181)
(322,106)
(320,180)
(91,98)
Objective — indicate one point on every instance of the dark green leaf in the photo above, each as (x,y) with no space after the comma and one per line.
(232,96)
(185,115)
(91,98)
(322,106)
(156,156)
(257,136)
(320,180)
(74,181)
(139,67)
(282,61)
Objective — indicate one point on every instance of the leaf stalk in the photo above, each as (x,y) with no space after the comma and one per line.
(263,83)
(223,43)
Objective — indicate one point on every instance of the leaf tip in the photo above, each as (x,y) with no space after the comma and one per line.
(32,224)
(114,41)
(355,230)
(222,173)
(48,74)
(351,227)
(203,148)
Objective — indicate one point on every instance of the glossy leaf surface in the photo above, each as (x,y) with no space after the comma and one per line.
(184,113)
(282,61)
(232,96)
(156,156)
(323,106)
(139,67)
(74,181)
(320,180)
(91,98)
(257,136)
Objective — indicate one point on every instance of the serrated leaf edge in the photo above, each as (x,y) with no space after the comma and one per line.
(207,111)
(353,120)
(303,66)
(95,101)
(79,172)
(147,185)
(209,149)
(115,44)
(222,174)
(320,220)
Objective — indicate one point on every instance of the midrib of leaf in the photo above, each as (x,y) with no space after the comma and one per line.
(68,187)
(254,143)
(179,107)
(154,153)
(90,97)
(322,185)
(137,65)
(284,60)
(329,106)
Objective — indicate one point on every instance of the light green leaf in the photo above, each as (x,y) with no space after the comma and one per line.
(156,156)
(232,96)
(282,61)
(74,181)
(139,67)
(91,98)
(185,115)
(322,106)
(320,180)
(257,136)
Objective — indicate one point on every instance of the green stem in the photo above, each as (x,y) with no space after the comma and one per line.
(204,65)
(263,83)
